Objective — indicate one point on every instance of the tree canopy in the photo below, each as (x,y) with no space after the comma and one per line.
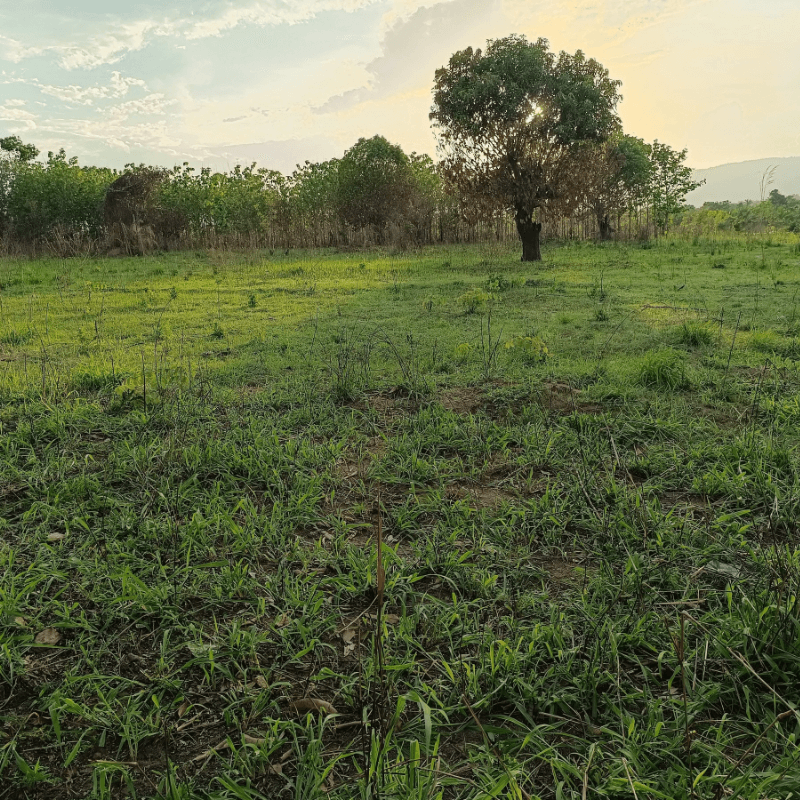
(18,149)
(513,124)
(670,183)
(617,177)
(375,181)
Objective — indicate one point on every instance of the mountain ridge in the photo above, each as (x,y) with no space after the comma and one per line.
(741,180)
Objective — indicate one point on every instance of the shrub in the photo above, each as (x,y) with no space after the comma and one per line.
(431,302)
(57,197)
(498,283)
(475,301)
(16,338)
(528,349)
(462,352)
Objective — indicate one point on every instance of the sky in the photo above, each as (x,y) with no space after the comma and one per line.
(279,82)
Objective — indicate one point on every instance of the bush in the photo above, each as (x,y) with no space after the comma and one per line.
(58,197)
(528,349)
(475,301)
(96,381)
(16,338)
(243,201)
(462,352)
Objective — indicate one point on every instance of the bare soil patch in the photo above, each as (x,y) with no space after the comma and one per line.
(685,502)
(571,569)
(562,398)
(478,496)
(462,399)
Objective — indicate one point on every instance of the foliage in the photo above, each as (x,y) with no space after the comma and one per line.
(374,184)
(713,218)
(475,301)
(696,334)
(242,201)
(617,175)
(671,181)
(310,196)
(18,150)
(529,349)
(59,195)
(512,125)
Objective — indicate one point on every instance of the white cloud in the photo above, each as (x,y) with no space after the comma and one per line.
(110,46)
(431,34)
(21,119)
(11,103)
(120,85)
(273,12)
(401,10)
(82,95)
(151,104)
(74,94)
(13,112)
(14,51)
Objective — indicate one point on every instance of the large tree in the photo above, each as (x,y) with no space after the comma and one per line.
(514,123)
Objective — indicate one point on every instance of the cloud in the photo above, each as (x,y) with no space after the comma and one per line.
(82,95)
(120,85)
(15,103)
(273,12)
(151,104)
(14,51)
(11,112)
(117,40)
(109,48)
(415,45)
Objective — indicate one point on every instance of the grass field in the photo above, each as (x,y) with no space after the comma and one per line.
(418,525)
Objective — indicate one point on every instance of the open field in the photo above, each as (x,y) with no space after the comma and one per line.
(583,475)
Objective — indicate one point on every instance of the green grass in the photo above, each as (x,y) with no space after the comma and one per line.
(586,488)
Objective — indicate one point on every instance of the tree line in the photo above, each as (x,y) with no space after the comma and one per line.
(526,138)
(777,212)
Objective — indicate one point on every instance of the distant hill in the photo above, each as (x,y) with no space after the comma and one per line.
(742,181)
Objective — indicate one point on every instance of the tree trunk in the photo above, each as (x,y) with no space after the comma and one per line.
(604,224)
(529,231)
